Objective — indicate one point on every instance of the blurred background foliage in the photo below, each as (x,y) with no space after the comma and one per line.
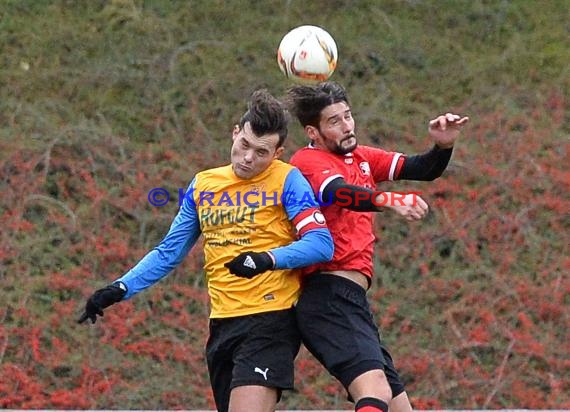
(103,100)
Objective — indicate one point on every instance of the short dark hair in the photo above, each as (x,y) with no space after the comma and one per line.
(266,115)
(307,102)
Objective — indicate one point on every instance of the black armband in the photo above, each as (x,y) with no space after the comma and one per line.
(426,166)
(351,197)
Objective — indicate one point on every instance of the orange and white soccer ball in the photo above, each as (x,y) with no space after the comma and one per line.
(307,54)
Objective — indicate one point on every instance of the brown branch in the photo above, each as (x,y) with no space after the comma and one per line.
(499,377)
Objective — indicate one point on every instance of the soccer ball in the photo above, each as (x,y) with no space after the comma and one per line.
(307,54)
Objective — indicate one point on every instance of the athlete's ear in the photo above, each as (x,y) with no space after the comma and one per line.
(235,132)
(278,152)
(312,132)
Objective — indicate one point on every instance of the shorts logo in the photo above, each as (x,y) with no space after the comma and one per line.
(262,372)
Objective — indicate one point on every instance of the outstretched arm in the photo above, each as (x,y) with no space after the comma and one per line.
(427,166)
(430,165)
(183,233)
(360,199)
(159,262)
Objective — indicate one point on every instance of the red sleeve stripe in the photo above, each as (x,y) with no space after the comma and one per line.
(309,219)
(395,166)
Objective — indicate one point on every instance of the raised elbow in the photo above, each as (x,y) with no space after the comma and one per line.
(432,176)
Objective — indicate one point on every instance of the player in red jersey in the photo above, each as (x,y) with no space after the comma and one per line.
(334,316)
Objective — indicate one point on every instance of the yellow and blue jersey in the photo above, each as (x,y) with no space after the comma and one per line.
(274,211)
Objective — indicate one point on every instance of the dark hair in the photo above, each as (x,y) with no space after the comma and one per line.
(307,102)
(266,115)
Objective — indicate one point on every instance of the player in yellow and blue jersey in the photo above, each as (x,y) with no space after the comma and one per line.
(260,222)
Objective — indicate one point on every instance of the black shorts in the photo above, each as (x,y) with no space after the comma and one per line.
(338,328)
(257,349)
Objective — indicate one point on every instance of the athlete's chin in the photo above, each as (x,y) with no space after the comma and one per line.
(348,146)
(243,172)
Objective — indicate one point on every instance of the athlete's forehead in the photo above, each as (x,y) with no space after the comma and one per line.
(267,142)
(335,110)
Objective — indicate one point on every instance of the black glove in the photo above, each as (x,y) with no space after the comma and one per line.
(101,299)
(250,264)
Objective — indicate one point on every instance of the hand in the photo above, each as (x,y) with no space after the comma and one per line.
(100,300)
(250,264)
(411,207)
(445,129)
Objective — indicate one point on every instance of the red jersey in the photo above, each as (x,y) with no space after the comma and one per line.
(352,231)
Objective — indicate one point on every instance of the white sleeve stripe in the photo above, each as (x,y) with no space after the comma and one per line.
(324,185)
(393,166)
(304,222)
